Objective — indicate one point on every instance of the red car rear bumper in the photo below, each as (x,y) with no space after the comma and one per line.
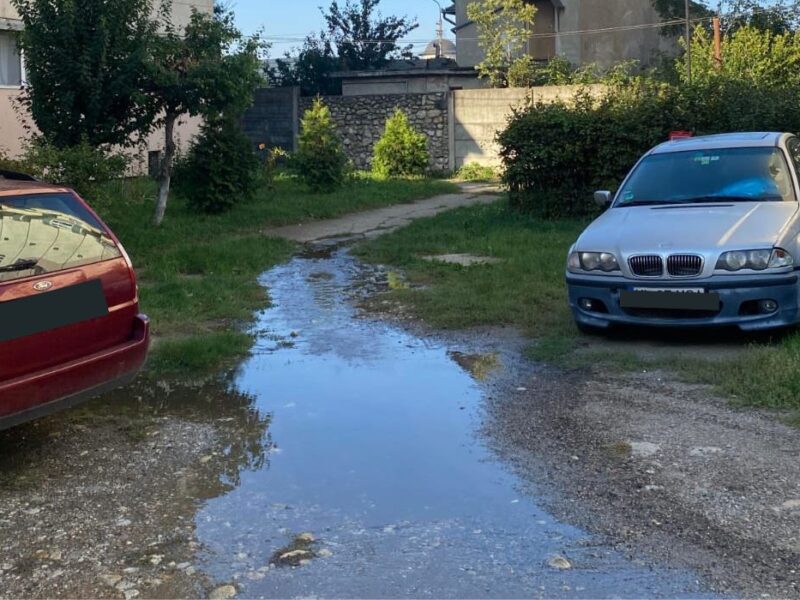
(35,395)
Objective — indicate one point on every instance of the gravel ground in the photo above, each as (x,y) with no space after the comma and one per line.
(99,502)
(661,468)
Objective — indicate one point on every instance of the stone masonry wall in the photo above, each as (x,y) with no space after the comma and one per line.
(362,119)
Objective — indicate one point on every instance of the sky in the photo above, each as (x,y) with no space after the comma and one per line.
(296,18)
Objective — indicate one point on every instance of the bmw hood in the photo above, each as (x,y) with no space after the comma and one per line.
(688,227)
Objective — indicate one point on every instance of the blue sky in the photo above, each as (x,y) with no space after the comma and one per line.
(296,18)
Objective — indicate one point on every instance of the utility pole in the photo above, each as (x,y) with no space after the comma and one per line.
(688,43)
(717,43)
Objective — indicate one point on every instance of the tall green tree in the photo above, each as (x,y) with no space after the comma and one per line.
(504,27)
(209,69)
(356,37)
(311,68)
(87,69)
(363,37)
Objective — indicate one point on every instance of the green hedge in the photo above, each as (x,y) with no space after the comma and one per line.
(556,155)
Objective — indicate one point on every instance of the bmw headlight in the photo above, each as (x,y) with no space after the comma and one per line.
(756,260)
(593,261)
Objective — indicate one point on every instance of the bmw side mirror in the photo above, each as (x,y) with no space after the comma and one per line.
(603,198)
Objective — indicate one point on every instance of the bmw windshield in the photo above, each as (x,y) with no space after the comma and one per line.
(720,175)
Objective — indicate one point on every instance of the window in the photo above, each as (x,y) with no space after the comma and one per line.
(724,174)
(10,63)
(794,152)
(49,232)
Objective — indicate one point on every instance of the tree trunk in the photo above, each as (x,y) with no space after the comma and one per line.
(165,174)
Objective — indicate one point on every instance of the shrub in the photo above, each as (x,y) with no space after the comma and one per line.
(556,154)
(477,172)
(221,168)
(320,159)
(401,151)
(79,167)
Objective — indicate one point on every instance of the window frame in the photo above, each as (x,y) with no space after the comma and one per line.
(20,58)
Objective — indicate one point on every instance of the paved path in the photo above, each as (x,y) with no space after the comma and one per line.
(372,223)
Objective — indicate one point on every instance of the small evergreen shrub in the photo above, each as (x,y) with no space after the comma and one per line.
(320,160)
(401,151)
(220,169)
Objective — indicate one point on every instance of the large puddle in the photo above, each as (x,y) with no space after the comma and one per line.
(373,449)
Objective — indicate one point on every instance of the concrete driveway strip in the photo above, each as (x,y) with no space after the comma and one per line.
(372,223)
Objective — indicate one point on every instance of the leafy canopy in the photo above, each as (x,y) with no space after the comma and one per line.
(356,37)
(87,68)
(504,27)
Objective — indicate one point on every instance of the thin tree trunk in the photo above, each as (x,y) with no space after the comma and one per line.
(165,174)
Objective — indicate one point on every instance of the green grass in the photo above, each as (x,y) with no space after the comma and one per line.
(526,289)
(198,273)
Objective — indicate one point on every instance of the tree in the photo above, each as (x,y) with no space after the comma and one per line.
(504,27)
(356,38)
(752,56)
(363,39)
(777,16)
(320,159)
(311,69)
(209,69)
(87,68)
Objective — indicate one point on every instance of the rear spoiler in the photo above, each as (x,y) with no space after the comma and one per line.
(15,176)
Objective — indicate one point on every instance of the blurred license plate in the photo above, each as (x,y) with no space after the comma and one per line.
(670,299)
(671,290)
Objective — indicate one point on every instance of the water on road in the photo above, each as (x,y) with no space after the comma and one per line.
(372,446)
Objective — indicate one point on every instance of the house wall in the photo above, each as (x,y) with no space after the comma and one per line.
(605,49)
(13,132)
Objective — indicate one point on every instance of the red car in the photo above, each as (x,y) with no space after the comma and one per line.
(70,326)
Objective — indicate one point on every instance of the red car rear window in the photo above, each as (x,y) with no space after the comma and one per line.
(43,233)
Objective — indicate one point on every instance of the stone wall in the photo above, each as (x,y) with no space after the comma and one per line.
(361,121)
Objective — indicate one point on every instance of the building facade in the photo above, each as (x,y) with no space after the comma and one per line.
(13,121)
(583,31)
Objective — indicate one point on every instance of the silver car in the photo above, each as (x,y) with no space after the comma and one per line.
(703,231)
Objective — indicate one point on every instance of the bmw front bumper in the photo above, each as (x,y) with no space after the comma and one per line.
(595,301)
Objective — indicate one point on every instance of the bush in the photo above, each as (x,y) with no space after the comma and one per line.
(556,154)
(320,159)
(477,172)
(80,167)
(401,151)
(221,168)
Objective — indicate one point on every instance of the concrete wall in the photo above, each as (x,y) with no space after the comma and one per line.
(477,116)
(273,118)
(361,121)
(13,132)
(374,86)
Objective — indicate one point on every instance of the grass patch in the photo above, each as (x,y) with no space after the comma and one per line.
(198,273)
(526,289)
